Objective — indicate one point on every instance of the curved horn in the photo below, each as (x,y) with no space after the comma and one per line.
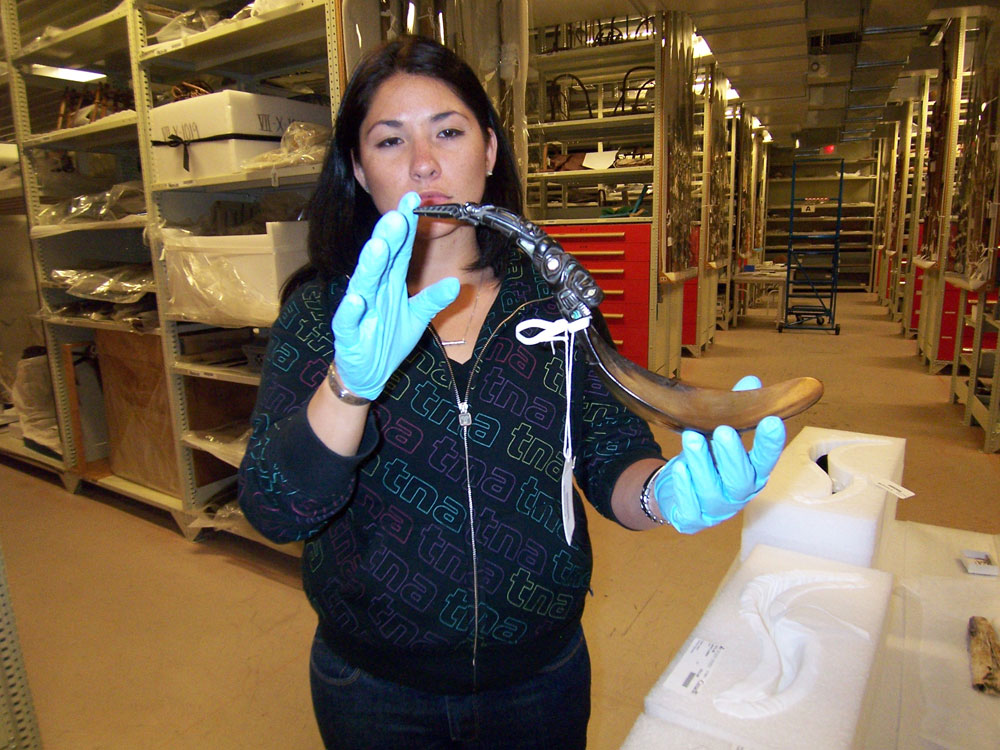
(681,406)
(667,401)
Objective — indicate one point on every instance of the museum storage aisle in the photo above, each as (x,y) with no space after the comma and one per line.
(134,637)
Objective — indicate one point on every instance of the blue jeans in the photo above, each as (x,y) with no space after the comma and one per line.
(549,711)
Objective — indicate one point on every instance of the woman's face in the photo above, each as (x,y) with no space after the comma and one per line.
(419,135)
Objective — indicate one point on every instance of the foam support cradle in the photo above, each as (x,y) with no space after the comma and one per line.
(835,513)
(783,652)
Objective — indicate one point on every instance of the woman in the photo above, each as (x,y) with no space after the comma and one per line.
(419,449)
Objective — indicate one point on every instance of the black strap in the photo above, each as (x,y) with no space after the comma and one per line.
(175,141)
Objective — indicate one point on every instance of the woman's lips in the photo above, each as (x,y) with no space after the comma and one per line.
(433,199)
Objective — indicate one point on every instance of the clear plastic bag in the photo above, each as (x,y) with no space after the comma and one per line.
(122,284)
(260,7)
(33,399)
(187,23)
(301,143)
(117,202)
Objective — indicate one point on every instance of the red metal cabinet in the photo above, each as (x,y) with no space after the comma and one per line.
(617,256)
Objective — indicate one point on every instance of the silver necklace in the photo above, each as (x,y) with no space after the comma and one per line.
(468,324)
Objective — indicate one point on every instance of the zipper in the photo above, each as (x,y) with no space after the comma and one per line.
(464,422)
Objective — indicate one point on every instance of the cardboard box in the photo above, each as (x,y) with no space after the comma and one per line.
(232,279)
(143,444)
(141,433)
(214,134)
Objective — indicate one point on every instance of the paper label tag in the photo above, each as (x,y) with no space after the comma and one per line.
(895,489)
(693,667)
(569,520)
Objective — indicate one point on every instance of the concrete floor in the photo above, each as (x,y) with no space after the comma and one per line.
(134,637)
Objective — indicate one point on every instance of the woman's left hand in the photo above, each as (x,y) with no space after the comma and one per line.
(706,485)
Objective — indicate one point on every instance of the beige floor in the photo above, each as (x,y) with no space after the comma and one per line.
(136,638)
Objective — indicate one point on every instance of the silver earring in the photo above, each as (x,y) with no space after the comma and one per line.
(489,172)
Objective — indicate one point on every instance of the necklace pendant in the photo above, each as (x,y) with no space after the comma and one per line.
(456,342)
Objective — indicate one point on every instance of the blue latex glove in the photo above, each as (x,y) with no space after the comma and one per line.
(702,487)
(377,323)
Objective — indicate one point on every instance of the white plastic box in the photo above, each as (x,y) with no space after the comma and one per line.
(232,279)
(218,132)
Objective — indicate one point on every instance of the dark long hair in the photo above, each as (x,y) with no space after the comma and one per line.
(342,216)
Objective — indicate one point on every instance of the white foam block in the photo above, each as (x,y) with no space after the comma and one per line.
(835,513)
(650,733)
(781,658)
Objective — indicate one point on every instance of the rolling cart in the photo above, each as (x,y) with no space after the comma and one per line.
(813,263)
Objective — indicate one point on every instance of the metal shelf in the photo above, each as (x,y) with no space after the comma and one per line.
(103,477)
(117,130)
(613,57)
(87,44)
(285,40)
(595,128)
(107,325)
(137,221)
(594,176)
(847,178)
(239,373)
(305,174)
(13,446)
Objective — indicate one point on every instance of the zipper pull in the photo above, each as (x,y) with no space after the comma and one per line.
(464,418)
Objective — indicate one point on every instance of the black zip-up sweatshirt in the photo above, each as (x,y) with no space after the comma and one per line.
(389,557)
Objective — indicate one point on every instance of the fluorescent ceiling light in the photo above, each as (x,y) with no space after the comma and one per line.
(701,48)
(66,74)
(411,17)
(8,153)
(732,93)
(767,137)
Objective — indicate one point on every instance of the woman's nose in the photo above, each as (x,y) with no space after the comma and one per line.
(423,164)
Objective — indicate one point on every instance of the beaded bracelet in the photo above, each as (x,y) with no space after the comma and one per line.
(340,390)
(645,495)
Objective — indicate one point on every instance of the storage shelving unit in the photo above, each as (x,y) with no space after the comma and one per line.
(976,370)
(743,152)
(98,42)
(891,277)
(255,52)
(817,184)
(912,277)
(939,279)
(971,260)
(602,121)
(296,43)
(714,191)
(812,271)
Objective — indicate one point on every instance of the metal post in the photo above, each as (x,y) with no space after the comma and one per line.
(18,726)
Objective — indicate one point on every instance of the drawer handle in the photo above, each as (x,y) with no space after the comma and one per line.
(618,342)
(585,236)
(605,271)
(599,253)
(614,316)
(612,293)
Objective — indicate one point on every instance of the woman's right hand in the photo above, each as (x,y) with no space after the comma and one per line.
(377,323)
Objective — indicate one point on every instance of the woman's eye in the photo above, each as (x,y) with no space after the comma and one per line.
(451,133)
(390,141)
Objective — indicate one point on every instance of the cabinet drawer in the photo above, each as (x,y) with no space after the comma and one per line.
(604,242)
(633,316)
(608,235)
(628,289)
